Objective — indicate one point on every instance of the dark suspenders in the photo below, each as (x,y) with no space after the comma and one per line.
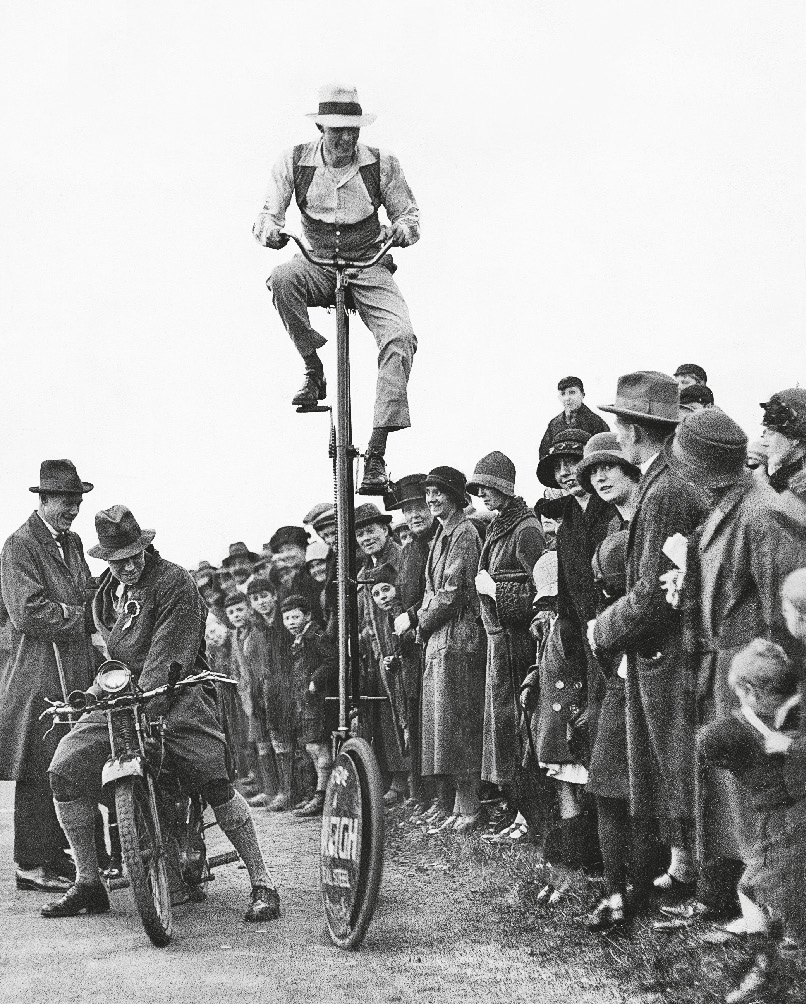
(303,174)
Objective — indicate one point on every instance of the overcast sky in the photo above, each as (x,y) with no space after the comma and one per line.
(603,187)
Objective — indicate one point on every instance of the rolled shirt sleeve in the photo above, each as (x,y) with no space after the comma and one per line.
(397,198)
(279,192)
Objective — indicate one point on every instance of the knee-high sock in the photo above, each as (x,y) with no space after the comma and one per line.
(235,819)
(77,819)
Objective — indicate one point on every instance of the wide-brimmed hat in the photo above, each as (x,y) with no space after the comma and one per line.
(119,535)
(495,470)
(238,552)
(407,489)
(449,480)
(647,396)
(60,477)
(286,536)
(370,513)
(338,105)
(567,443)
(709,449)
(602,448)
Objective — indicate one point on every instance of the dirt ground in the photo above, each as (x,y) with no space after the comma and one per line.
(456,921)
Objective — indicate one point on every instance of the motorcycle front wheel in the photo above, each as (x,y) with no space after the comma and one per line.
(144,858)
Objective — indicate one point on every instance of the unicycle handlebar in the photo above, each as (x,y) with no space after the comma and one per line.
(342,263)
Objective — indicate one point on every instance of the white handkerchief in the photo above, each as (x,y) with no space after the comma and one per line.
(622,669)
(675,548)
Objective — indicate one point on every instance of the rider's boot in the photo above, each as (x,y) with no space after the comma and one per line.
(313,389)
(233,816)
(374,475)
(77,819)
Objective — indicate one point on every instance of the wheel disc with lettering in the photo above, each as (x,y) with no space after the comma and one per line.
(352,843)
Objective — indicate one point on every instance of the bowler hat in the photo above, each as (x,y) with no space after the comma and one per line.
(709,449)
(119,535)
(449,480)
(338,106)
(286,536)
(691,369)
(370,513)
(60,477)
(238,552)
(567,443)
(647,396)
(602,448)
(495,470)
(408,489)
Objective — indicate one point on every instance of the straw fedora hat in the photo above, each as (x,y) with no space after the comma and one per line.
(338,106)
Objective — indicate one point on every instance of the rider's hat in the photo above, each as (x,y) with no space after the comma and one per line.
(119,535)
(339,106)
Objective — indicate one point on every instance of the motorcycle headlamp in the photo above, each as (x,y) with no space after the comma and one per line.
(113,677)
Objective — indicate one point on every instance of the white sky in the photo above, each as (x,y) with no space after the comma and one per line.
(603,187)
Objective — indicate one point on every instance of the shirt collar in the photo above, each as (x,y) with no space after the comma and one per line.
(647,463)
(51,531)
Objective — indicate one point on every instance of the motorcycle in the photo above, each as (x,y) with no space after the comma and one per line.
(161,826)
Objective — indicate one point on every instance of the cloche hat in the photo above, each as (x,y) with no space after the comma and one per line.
(567,443)
(495,470)
(449,480)
(709,449)
(119,535)
(408,489)
(338,105)
(602,448)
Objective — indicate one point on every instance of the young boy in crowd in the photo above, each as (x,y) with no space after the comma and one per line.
(752,744)
(314,666)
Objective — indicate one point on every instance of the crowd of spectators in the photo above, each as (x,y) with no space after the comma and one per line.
(616,673)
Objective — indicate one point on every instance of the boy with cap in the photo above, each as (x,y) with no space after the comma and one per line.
(575,415)
(313,671)
(689,374)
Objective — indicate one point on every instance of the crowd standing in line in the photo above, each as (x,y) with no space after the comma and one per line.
(616,674)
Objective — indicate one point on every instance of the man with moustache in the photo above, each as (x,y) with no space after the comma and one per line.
(339,184)
(45,582)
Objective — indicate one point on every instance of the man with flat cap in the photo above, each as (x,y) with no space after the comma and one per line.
(339,184)
(45,582)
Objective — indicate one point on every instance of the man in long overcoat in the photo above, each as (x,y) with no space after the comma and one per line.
(45,582)
(660,706)
(750,540)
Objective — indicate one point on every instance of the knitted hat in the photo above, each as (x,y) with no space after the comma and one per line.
(451,481)
(317,551)
(602,448)
(288,536)
(709,448)
(408,489)
(495,470)
(567,443)
(296,602)
(691,369)
(785,412)
(368,512)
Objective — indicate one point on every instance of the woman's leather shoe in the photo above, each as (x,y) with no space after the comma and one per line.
(81,896)
(41,880)
(607,915)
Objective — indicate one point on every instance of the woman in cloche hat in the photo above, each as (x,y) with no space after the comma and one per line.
(150,615)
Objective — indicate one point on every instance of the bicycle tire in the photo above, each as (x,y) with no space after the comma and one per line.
(146,869)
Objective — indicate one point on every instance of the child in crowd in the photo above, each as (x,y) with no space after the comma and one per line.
(752,743)
(314,665)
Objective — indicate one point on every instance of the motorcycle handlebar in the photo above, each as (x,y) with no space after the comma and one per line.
(342,263)
(78,705)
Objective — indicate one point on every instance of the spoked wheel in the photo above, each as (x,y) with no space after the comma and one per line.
(352,843)
(144,858)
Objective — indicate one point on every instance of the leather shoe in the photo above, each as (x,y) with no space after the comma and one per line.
(280,803)
(258,801)
(265,904)
(314,807)
(41,880)
(607,915)
(312,391)
(92,898)
(374,476)
(692,911)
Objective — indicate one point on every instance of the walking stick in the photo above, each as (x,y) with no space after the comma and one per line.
(62,680)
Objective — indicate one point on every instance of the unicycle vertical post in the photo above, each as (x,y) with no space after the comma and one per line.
(347,616)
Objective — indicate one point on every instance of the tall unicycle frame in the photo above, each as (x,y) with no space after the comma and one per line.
(352,837)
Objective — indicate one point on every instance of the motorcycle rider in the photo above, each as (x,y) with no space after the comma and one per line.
(150,615)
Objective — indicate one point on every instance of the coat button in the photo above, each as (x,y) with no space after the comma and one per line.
(574,709)
(556,707)
(578,685)
(338,233)
(559,684)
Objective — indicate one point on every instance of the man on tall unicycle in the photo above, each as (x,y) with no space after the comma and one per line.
(339,184)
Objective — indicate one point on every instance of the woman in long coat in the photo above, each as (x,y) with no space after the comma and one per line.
(513,545)
(454,655)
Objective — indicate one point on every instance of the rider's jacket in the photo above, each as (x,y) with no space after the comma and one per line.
(339,206)
(159,620)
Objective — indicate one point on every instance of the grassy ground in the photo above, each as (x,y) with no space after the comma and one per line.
(488,896)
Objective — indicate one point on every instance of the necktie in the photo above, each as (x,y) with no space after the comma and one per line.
(61,539)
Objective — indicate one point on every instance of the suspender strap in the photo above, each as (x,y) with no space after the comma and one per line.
(303,174)
(371,177)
